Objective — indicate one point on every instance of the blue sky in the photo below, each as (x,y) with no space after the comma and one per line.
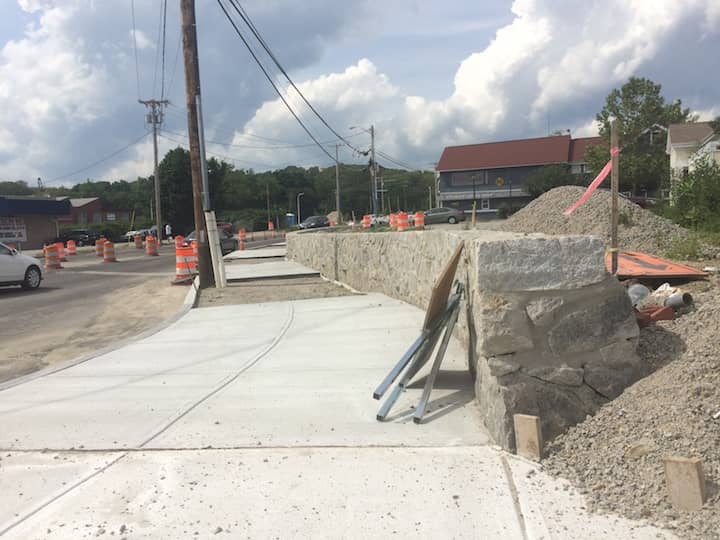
(425,73)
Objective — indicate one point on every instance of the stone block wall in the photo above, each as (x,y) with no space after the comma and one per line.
(548,331)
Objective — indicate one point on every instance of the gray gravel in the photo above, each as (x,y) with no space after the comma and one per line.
(615,457)
(639,229)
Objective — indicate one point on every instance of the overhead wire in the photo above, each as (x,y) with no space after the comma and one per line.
(134,32)
(248,22)
(99,161)
(175,63)
(164,36)
(157,51)
(272,83)
(396,161)
(256,147)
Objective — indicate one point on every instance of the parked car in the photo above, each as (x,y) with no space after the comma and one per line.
(228,242)
(81,237)
(444,215)
(19,269)
(130,235)
(315,222)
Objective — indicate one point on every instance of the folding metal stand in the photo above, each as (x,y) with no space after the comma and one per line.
(417,356)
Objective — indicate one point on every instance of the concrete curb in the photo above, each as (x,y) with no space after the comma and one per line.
(189,303)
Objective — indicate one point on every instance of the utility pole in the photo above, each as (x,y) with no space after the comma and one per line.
(430,197)
(337,183)
(373,170)
(267,199)
(192,92)
(155,119)
(614,186)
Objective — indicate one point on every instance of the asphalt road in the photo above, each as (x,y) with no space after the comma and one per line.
(35,325)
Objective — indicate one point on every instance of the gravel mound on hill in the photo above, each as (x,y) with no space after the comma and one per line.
(639,229)
(616,457)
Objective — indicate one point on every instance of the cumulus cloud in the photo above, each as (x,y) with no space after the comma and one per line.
(553,60)
(70,91)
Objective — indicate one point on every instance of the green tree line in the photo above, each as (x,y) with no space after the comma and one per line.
(242,196)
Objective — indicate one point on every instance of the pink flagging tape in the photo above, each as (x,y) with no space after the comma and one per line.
(593,185)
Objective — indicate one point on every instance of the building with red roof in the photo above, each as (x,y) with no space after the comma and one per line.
(494,174)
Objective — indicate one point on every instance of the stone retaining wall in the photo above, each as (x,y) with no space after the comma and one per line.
(548,331)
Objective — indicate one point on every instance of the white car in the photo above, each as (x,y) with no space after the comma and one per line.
(19,269)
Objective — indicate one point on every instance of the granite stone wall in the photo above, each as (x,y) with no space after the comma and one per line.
(548,331)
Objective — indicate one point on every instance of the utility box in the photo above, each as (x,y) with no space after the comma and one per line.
(290,220)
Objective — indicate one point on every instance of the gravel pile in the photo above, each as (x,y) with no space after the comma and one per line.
(638,230)
(615,458)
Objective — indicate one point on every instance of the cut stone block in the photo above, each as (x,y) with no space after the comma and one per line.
(610,319)
(616,367)
(558,375)
(541,311)
(537,263)
(685,482)
(503,324)
(528,436)
(500,366)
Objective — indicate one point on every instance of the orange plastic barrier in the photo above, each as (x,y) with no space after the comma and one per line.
(109,252)
(366,222)
(100,247)
(51,257)
(392,220)
(183,264)
(61,251)
(179,241)
(138,241)
(151,247)
(71,248)
(419,220)
(402,221)
(242,235)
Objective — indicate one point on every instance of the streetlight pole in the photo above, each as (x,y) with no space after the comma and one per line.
(298,204)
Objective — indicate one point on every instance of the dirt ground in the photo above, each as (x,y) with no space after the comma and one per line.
(120,315)
(271,290)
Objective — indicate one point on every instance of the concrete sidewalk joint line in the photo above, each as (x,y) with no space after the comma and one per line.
(230,380)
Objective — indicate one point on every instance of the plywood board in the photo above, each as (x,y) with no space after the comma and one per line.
(441,289)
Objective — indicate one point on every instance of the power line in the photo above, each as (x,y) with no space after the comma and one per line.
(164,35)
(137,69)
(158,48)
(229,158)
(246,19)
(254,147)
(175,62)
(99,161)
(396,161)
(267,75)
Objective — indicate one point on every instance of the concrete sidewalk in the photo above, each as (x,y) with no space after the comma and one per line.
(263,253)
(266,270)
(257,421)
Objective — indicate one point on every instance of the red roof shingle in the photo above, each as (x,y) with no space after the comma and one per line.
(536,151)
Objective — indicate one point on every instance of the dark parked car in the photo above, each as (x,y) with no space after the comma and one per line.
(82,237)
(228,242)
(444,215)
(315,222)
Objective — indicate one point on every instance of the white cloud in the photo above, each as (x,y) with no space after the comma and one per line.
(141,40)
(705,115)
(551,56)
(68,88)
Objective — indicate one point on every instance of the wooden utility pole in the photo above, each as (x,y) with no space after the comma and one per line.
(337,183)
(192,91)
(155,119)
(614,183)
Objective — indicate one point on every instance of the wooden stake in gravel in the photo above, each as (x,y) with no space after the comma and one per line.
(528,436)
(685,482)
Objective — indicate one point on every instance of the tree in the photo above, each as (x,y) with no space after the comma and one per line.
(15,188)
(639,108)
(552,176)
(697,197)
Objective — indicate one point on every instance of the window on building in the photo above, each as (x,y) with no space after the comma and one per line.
(484,204)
